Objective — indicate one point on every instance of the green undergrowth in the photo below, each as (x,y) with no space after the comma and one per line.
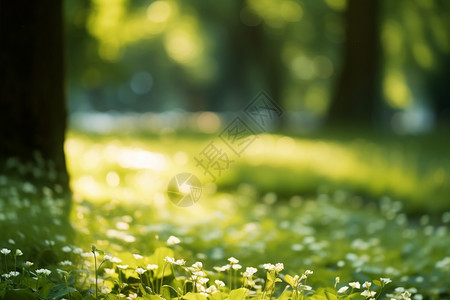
(293,218)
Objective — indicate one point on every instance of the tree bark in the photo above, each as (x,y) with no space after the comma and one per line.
(356,95)
(32,96)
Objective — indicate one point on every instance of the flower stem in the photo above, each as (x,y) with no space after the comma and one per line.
(67,286)
(96,275)
(162,278)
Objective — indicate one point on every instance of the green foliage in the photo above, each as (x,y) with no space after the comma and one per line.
(334,233)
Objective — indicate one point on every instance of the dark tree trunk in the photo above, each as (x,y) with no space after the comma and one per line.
(32,96)
(356,94)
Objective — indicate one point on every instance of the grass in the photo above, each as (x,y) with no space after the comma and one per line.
(343,207)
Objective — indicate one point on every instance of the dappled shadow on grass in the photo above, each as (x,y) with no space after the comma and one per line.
(371,167)
(34,212)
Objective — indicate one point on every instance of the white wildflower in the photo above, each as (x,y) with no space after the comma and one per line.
(14,273)
(180,262)
(219,283)
(366,285)
(233,260)
(226,267)
(279,267)
(132,295)
(49,242)
(203,280)
(116,260)
(45,272)
(29,264)
(123,267)
(87,254)
(152,267)
(199,273)
(65,263)
(138,256)
(66,249)
(309,272)
(197,265)
(220,269)
(77,250)
(212,289)
(342,290)
(61,272)
(406,295)
(355,285)
(107,257)
(368,293)
(105,289)
(140,271)
(269,267)
(236,266)
(19,252)
(249,271)
(169,260)
(173,240)
(5,251)
(385,280)
(109,271)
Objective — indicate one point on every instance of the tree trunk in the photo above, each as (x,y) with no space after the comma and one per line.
(32,96)
(356,95)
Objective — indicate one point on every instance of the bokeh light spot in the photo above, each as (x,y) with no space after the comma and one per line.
(208,122)
(141,83)
(159,11)
(291,11)
(112,179)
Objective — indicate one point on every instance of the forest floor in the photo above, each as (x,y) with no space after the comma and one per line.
(370,210)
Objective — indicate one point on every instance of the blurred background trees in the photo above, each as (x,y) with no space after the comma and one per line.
(332,61)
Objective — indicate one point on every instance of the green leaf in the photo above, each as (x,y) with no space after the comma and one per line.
(20,294)
(377,282)
(71,280)
(324,294)
(194,296)
(285,296)
(59,291)
(270,276)
(151,297)
(290,280)
(29,282)
(238,294)
(356,296)
(218,296)
(142,289)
